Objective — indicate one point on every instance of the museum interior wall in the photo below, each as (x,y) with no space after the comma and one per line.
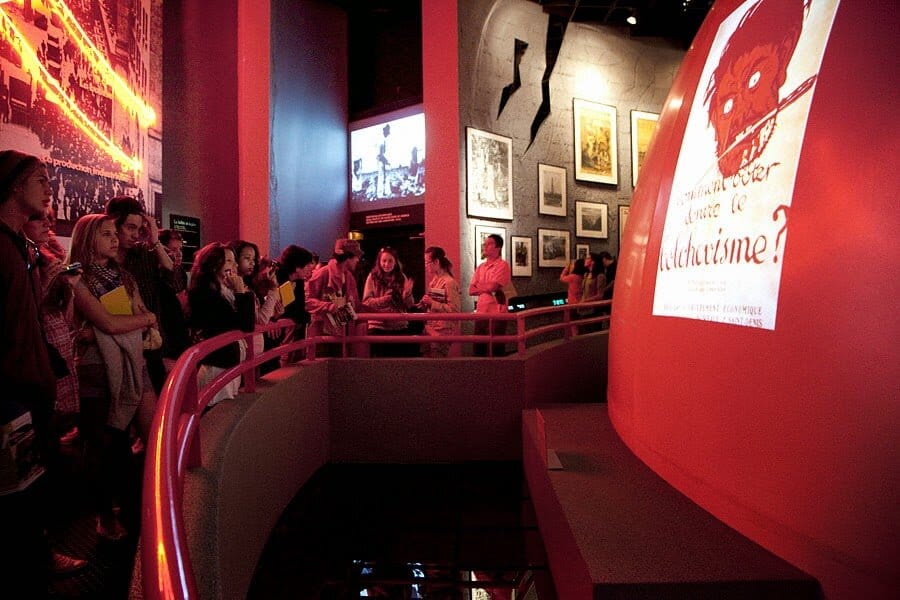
(599,64)
(309,157)
(200,155)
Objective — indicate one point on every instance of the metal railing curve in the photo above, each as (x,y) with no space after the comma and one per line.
(174,442)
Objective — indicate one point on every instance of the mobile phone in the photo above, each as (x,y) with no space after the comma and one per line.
(71,269)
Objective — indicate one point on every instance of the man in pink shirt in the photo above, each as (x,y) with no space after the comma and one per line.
(487,284)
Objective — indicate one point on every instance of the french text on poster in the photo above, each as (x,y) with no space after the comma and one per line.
(726,228)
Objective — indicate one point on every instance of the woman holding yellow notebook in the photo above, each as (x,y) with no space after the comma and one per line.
(113,381)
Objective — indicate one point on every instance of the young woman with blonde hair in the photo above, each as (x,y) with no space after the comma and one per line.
(113,381)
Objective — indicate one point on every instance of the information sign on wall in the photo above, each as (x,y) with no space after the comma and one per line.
(189,227)
(723,241)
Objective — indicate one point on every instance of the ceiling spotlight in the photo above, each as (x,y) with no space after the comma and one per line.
(632,18)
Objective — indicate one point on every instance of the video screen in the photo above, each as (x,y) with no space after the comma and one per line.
(387,160)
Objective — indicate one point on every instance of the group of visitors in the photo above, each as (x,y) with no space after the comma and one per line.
(97,329)
(590,278)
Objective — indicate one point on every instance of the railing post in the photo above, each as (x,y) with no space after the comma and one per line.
(520,332)
(490,331)
(189,407)
(250,376)
(360,349)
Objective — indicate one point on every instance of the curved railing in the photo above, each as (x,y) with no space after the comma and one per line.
(174,444)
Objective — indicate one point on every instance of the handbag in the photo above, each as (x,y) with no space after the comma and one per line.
(57,362)
(152,339)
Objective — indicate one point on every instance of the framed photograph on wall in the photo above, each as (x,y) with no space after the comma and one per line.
(553,247)
(481,233)
(643,126)
(623,218)
(596,151)
(591,220)
(489,192)
(582,250)
(521,256)
(552,190)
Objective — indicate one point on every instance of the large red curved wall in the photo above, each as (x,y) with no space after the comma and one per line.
(789,435)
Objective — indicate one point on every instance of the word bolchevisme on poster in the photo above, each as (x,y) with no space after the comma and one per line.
(725,233)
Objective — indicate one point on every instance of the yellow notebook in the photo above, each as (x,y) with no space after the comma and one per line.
(286,290)
(117,302)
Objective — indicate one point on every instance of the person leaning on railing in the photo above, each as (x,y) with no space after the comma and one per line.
(219,301)
(295,265)
(332,297)
(489,283)
(441,296)
(388,290)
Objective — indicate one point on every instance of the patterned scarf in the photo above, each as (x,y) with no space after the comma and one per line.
(101,279)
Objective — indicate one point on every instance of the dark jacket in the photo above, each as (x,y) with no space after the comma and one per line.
(212,314)
(25,372)
(296,310)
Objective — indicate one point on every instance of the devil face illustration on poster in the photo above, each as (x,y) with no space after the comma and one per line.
(726,224)
(743,93)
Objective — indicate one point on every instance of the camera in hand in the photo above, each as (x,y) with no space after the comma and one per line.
(71,269)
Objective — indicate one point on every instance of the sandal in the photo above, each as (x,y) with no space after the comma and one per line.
(111,534)
(63,564)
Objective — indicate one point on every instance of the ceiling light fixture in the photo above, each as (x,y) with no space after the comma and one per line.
(632,18)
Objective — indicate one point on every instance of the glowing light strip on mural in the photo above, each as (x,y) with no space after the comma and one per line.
(98,61)
(55,94)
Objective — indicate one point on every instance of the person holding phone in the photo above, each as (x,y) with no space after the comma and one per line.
(58,321)
(266,306)
(573,276)
(219,301)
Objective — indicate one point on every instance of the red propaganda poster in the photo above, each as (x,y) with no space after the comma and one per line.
(726,228)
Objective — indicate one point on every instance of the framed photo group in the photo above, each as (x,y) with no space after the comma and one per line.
(481,234)
(592,220)
(643,126)
(489,190)
(521,256)
(552,191)
(489,185)
(553,247)
(596,150)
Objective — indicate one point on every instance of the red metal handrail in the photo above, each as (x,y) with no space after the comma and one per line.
(174,444)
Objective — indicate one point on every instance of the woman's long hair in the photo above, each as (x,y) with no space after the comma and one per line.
(237,246)
(437,253)
(84,249)
(578,268)
(84,239)
(393,279)
(597,267)
(208,261)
